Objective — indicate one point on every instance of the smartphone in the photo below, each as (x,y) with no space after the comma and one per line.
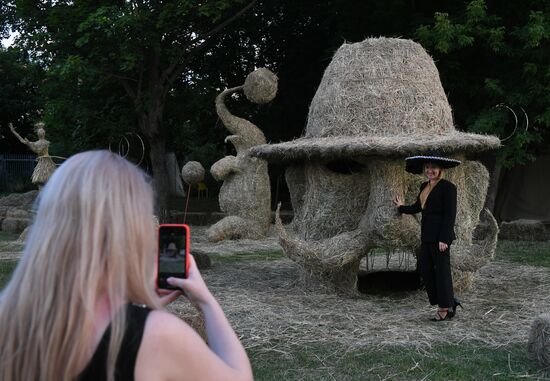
(173,253)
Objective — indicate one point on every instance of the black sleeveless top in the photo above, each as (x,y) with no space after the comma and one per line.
(96,370)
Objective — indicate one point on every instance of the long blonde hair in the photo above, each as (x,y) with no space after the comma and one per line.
(93,235)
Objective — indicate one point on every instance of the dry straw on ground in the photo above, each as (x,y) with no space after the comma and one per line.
(272,314)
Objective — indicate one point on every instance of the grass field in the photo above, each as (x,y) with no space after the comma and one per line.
(291,334)
(443,362)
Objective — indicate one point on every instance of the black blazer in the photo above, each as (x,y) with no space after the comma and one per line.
(439,214)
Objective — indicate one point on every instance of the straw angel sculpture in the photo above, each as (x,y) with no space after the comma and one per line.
(45,165)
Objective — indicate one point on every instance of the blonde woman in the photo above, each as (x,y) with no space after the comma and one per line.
(436,202)
(82,302)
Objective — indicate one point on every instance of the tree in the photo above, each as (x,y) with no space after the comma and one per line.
(494,53)
(20,98)
(139,47)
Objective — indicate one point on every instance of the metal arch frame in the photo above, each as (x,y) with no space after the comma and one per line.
(501,105)
(124,153)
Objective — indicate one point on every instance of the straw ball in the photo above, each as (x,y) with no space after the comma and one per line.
(538,344)
(192,172)
(260,86)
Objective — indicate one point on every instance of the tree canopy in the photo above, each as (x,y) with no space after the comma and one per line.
(154,68)
(493,58)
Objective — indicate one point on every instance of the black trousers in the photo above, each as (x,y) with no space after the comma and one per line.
(434,267)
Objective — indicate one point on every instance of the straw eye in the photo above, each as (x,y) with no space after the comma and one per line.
(345,167)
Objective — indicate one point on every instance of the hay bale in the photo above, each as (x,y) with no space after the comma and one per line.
(201,259)
(23,201)
(192,172)
(523,230)
(14,225)
(260,86)
(538,344)
(18,213)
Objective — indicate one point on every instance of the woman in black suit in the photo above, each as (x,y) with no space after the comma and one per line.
(437,203)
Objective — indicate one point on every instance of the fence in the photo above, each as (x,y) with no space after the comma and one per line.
(16,171)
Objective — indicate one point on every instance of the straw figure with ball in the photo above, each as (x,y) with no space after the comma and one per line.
(192,173)
(245,195)
(379,101)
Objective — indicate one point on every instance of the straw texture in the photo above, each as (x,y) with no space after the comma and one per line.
(192,172)
(381,96)
(245,195)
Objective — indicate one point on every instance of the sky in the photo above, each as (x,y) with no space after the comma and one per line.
(8,41)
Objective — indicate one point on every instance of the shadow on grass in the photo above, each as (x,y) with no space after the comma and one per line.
(388,283)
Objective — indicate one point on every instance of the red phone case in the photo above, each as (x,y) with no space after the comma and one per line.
(187,244)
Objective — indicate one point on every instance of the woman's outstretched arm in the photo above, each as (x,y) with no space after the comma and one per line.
(174,351)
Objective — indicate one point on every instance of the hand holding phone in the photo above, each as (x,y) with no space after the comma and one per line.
(173,253)
(193,286)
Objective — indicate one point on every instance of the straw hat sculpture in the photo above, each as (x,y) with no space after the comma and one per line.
(379,101)
(245,195)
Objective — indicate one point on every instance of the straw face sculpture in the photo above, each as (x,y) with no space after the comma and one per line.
(245,195)
(379,101)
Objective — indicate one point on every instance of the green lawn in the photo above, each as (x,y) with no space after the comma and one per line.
(448,362)
(6,237)
(6,268)
(524,252)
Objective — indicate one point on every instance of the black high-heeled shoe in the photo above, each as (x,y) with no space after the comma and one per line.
(456,303)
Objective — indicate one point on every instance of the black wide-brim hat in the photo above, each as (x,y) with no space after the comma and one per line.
(415,164)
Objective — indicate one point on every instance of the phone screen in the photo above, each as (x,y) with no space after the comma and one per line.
(173,250)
